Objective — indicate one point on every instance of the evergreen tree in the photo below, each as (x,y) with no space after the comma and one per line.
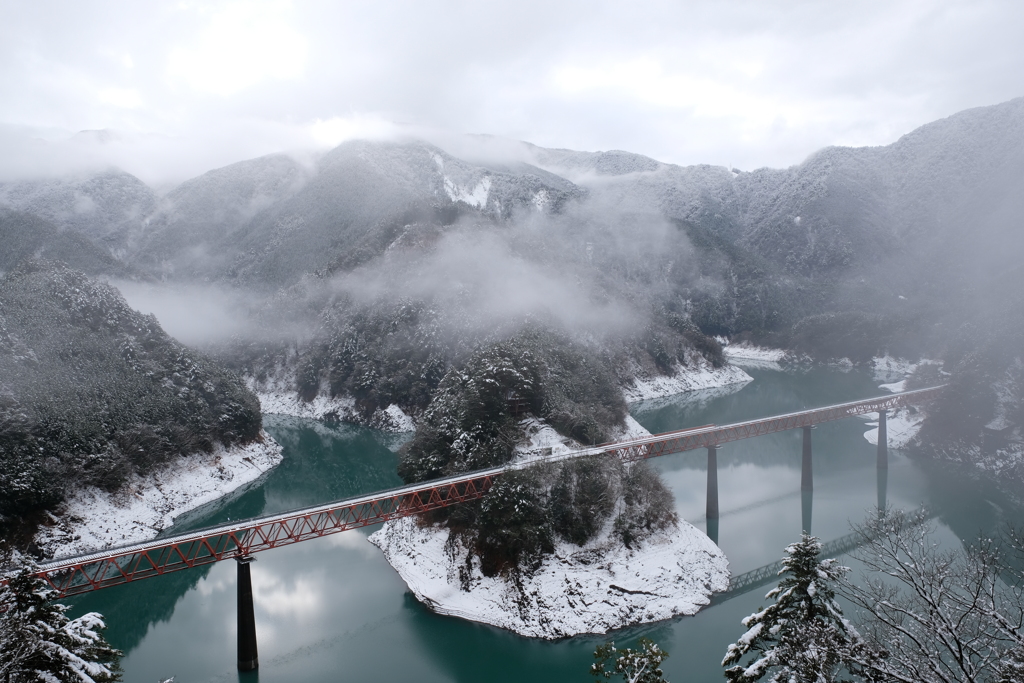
(642,665)
(803,637)
(39,644)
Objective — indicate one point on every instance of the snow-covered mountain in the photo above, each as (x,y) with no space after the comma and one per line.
(186,234)
(108,206)
(377,250)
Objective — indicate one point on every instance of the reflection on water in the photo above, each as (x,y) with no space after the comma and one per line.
(806,510)
(333,610)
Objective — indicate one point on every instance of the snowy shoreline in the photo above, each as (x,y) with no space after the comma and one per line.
(91,519)
(340,409)
(748,355)
(682,380)
(594,589)
(903,424)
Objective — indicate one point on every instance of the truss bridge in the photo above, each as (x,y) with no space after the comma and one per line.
(240,540)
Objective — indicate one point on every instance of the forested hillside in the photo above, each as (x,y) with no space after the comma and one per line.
(109,206)
(25,236)
(91,391)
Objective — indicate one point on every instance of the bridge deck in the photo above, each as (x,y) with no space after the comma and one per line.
(113,566)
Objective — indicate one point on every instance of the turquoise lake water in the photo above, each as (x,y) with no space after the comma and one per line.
(333,609)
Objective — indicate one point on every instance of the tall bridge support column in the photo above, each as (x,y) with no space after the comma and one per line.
(883,442)
(712,509)
(248,657)
(806,472)
(711,515)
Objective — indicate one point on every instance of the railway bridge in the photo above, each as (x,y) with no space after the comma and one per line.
(240,540)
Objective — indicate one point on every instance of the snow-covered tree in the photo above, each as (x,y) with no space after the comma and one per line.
(938,615)
(39,644)
(642,665)
(803,637)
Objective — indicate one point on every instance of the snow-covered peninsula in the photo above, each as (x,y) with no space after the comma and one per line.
(91,519)
(594,589)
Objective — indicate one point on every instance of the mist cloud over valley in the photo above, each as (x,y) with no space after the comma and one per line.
(443,284)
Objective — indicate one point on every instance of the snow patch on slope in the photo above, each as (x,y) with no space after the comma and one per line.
(477,196)
(630,430)
(696,376)
(541,200)
(92,519)
(542,440)
(594,589)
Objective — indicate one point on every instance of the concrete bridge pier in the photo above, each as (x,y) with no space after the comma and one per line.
(883,442)
(248,657)
(806,472)
(712,509)
(711,514)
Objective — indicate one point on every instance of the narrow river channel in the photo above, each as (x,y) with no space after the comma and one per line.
(333,610)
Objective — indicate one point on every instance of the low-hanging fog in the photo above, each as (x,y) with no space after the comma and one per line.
(593,271)
(377,262)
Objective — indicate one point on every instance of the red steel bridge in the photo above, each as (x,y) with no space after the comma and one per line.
(114,566)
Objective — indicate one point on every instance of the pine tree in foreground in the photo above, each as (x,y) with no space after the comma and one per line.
(642,665)
(38,643)
(803,637)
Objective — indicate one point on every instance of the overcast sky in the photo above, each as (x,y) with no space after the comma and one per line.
(189,86)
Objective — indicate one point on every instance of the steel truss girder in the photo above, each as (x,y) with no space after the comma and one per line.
(703,437)
(115,566)
(143,560)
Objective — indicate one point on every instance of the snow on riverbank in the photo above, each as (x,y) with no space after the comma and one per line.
(594,589)
(689,401)
(903,425)
(900,427)
(340,409)
(748,355)
(92,519)
(699,375)
(892,370)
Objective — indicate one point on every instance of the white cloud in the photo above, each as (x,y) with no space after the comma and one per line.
(336,130)
(736,81)
(241,45)
(121,97)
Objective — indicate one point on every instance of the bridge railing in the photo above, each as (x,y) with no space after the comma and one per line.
(81,574)
(675,442)
(124,564)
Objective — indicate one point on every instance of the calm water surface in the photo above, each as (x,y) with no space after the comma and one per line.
(333,610)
